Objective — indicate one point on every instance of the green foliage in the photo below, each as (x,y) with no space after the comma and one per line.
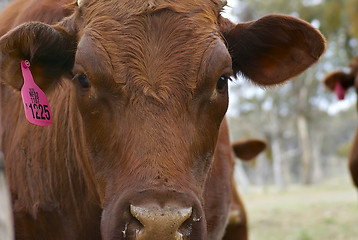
(331,19)
(304,235)
(352,8)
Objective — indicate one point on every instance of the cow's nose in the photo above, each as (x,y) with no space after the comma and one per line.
(161,223)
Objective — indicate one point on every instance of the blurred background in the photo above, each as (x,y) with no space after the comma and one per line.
(3,3)
(299,188)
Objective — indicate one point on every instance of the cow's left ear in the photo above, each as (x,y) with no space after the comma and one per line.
(272,49)
(248,149)
(50,50)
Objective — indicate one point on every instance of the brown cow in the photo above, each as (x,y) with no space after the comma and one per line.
(339,82)
(131,152)
(236,228)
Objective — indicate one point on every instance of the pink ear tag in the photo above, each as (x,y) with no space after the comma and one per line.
(339,90)
(37,108)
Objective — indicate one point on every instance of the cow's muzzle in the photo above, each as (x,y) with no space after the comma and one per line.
(154,215)
(162,223)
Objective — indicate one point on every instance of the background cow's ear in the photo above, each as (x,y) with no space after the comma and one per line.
(273,48)
(346,80)
(49,49)
(248,149)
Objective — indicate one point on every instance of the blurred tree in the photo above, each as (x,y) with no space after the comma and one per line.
(352,10)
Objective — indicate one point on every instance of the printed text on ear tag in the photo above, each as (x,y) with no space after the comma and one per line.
(37,108)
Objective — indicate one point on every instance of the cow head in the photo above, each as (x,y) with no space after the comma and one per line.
(148,94)
(339,81)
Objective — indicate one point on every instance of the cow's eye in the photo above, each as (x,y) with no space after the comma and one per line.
(83,80)
(222,82)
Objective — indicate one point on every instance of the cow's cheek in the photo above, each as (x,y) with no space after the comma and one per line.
(96,114)
(217,107)
(96,124)
(207,130)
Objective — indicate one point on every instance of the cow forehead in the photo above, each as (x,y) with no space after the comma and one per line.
(156,50)
(123,8)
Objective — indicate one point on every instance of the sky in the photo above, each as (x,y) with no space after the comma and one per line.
(230,5)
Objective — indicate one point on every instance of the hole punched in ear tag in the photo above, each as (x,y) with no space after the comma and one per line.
(36,106)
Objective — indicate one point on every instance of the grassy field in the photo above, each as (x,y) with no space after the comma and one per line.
(326,211)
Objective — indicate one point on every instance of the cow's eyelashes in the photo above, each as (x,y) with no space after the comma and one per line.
(82,80)
(222,83)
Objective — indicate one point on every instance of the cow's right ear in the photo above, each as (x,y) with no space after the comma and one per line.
(248,149)
(345,80)
(272,49)
(50,50)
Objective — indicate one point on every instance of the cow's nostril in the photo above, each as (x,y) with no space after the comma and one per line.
(160,223)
